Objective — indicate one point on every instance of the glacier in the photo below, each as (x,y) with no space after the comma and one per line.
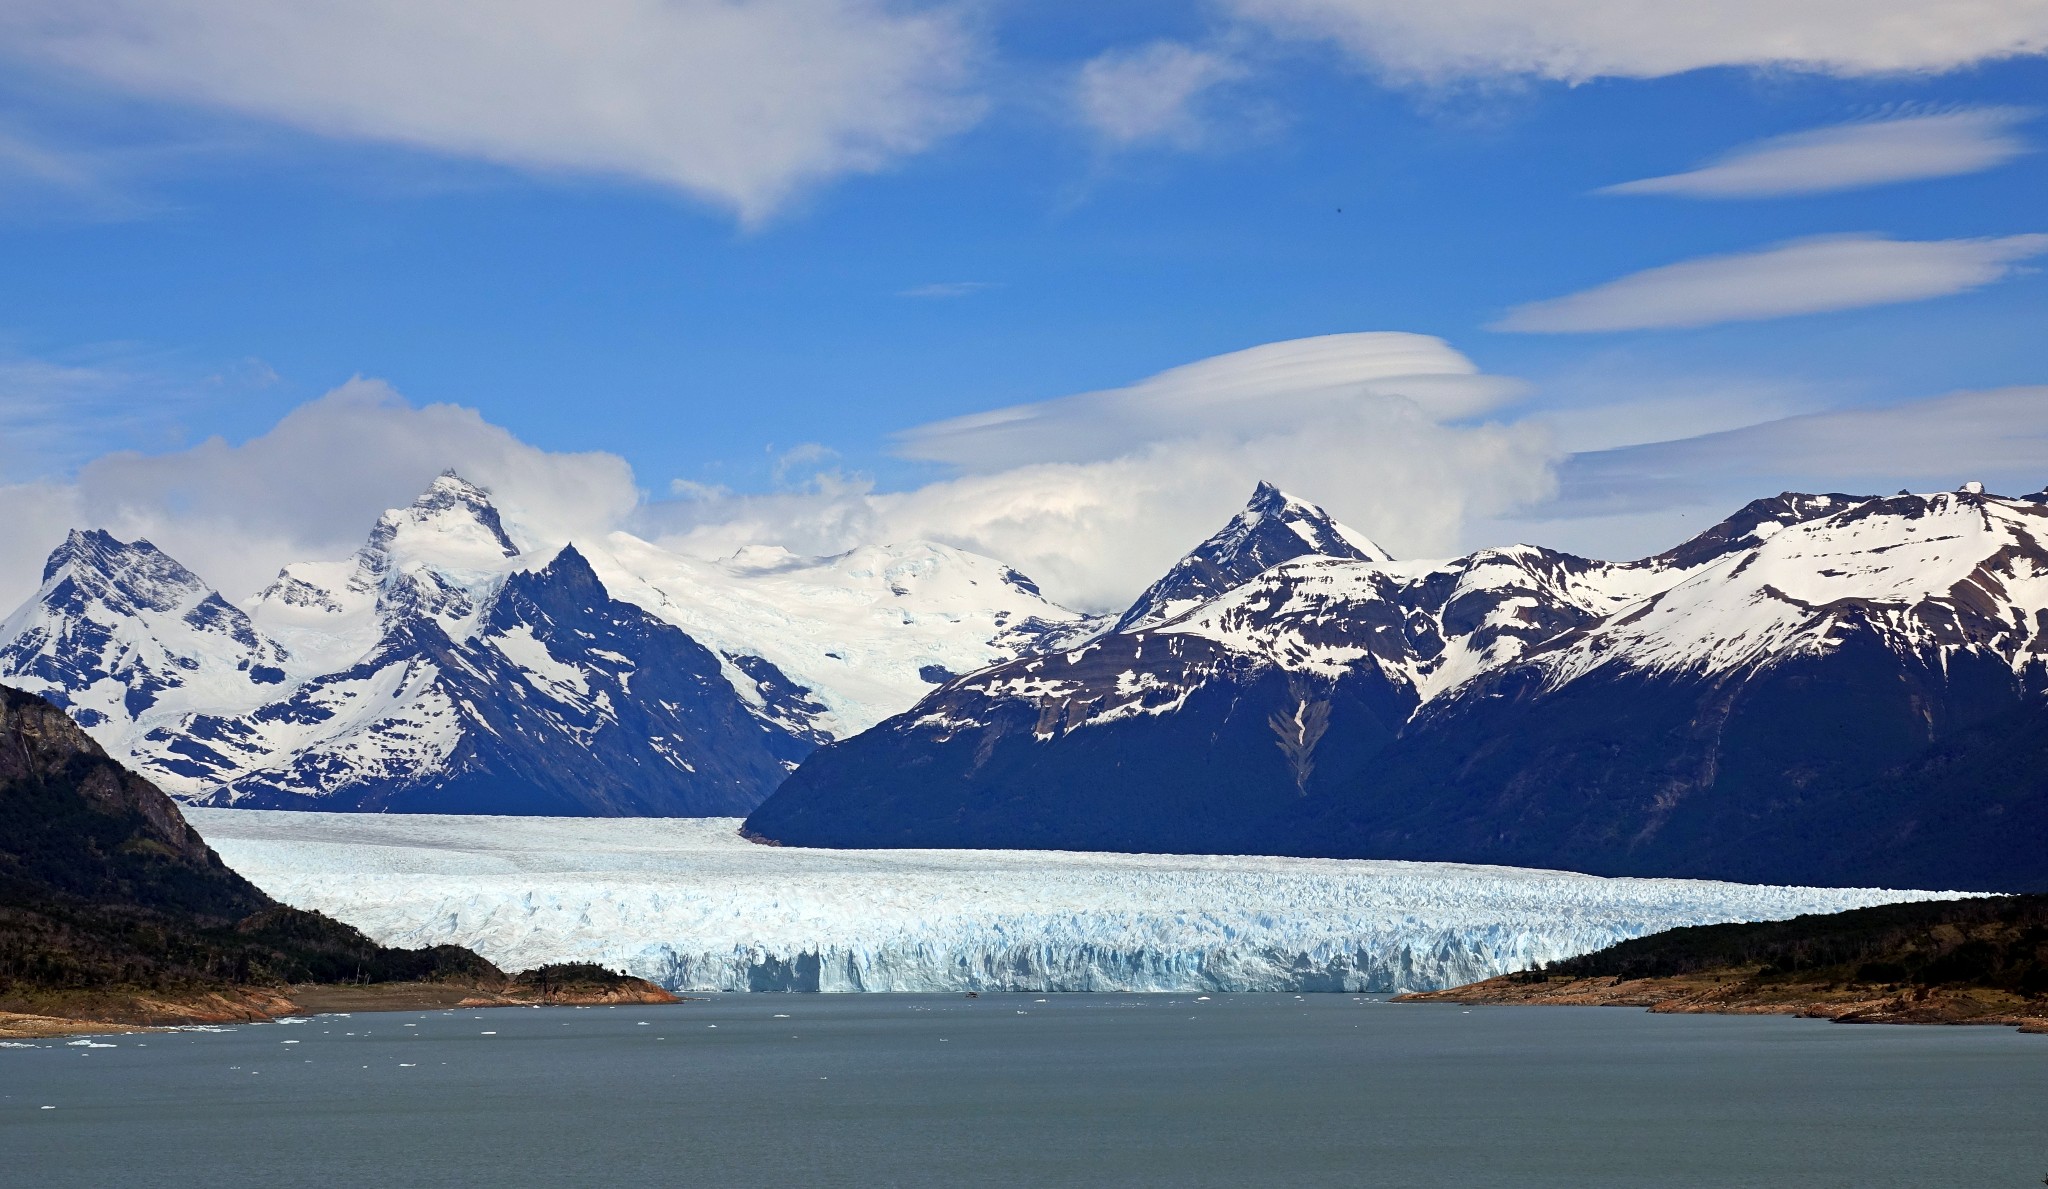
(690,904)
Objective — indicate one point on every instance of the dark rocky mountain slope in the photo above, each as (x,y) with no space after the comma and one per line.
(1823,689)
(104,888)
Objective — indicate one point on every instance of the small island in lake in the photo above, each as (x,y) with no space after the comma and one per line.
(115,913)
(1982,960)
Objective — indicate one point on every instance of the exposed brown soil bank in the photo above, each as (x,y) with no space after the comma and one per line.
(1976,961)
(1742,993)
(73,1012)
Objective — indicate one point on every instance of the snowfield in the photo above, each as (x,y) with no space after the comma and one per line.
(689,904)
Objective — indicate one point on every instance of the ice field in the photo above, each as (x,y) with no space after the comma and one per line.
(688,903)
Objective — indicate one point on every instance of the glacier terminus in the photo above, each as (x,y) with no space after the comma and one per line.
(692,905)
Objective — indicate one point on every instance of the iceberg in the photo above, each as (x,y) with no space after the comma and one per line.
(690,904)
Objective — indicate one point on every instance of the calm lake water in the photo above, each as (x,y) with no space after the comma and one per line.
(1033,1090)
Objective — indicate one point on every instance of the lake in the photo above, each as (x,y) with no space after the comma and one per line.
(1019,1089)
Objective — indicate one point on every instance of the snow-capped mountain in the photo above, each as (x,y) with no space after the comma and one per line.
(865,634)
(1860,696)
(120,634)
(441,667)
(1273,527)
(562,700)
(1516,705)
(442,558)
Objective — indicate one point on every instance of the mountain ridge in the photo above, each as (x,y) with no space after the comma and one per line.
(414,673)
(1669,716)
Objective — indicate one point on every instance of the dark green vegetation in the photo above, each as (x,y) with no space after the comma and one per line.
(1996,943)
(104,887)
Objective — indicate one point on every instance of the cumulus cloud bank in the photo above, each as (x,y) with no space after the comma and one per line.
(1848,156)
(1092,494)
(309,488)
(740,102)
(1095,494)
(1578,40)
(1807,276)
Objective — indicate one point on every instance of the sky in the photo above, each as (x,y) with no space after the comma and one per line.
(1049,282)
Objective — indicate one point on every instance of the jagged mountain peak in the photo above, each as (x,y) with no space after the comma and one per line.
(1750,524)
(439,557)
(1272,527)
(119,630)
(131,570)
(452,524)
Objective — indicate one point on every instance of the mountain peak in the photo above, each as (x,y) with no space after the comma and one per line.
(1272,527)
(124,570)
(1753,522)
(453,518)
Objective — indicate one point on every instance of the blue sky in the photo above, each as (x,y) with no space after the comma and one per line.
(991,206)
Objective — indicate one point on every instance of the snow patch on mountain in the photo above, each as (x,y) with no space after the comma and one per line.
(865,633)
(691,905)
(1928,574)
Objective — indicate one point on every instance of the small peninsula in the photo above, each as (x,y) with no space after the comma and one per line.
(1982,960)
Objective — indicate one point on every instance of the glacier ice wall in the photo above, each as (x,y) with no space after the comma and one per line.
(689,904)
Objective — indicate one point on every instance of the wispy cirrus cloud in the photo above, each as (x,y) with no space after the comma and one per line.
(1807,276)
(1575,41)
(943,290)
(1850,156)
(1152,93)
(741,103)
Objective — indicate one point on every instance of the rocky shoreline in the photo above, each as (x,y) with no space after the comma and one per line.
(101,1012)
(1744,993)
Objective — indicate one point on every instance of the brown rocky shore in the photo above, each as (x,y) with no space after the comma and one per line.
(1742,993)
(1982,960)
(78,1012)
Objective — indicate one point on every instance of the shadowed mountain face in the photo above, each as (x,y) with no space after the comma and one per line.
(1822,689)
(435,670)
(561,701)
(103,885)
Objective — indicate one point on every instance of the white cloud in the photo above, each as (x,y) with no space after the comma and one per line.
(947,289)
(1095,495)
(1150,94)
(1578,40)
(309,488)
(1847,156)
(1807,276)
(1381,428)
(739,102)
(1641,499)
(1241,395)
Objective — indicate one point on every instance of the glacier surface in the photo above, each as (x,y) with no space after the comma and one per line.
(689,904)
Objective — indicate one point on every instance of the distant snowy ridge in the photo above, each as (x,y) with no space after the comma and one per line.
(445,667)
(691,905)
